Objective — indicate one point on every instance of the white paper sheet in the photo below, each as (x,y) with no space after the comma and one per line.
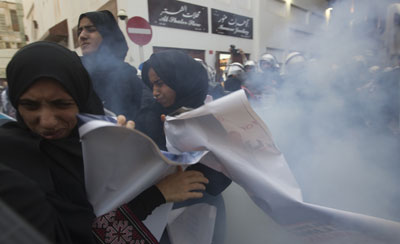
(241,147)
(121,163)
(231,138)
(5,116)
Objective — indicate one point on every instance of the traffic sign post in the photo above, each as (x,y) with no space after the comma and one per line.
(140,32)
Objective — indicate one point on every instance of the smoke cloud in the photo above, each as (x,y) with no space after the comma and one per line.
(336,118)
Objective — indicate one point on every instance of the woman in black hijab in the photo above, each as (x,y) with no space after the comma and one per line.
(104,49)
(46,148)
(177,80)
(179,72)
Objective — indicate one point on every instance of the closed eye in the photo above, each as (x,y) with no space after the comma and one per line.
(158,83)
(29,104)
(88,28)
(63,103)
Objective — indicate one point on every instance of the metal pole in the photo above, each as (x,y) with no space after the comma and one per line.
(141,54)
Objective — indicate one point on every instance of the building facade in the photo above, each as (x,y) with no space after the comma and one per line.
(12,34)
(11,25)
(270,24)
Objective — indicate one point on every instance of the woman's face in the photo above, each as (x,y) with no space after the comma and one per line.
(89,38)
(48,110)
(164,94)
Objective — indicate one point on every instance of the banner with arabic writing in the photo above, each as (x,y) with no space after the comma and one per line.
(180,15)
(225,23)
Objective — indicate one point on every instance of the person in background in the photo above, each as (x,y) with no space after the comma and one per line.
(215,89)
(237,55)
(177,81)
(250,84)
(268,80)
(235,77)
(49,86)
(295,76)
(294,64)
(104,49)
(6,106)
(386,99)
(250,67)
(269,70)
(3,87)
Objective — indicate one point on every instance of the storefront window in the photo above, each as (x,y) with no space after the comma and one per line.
(14,20)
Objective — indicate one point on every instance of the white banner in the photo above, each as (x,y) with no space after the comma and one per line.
(228,136)
(121,163)
(241,146)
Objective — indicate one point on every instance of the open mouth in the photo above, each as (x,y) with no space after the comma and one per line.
(53,134)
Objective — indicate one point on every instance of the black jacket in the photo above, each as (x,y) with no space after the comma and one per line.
(44,179)
(233,84)
(117,85)
(55,177)
(189,80)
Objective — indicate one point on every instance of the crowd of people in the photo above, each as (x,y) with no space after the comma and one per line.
(41,164)
(367,86)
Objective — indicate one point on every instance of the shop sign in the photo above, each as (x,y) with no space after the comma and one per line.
(225,23)
(180,15)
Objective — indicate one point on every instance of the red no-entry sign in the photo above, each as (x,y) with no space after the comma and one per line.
(139,30)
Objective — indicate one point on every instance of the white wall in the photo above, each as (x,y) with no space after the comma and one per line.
(271,23)
(285,28)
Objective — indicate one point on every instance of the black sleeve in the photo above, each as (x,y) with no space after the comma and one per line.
(232,84)
(26,199)
(218,182)
(146,202)
(135,97)
(124,95)
(149,122)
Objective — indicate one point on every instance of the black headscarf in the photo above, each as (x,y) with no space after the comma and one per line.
(182,73)
(113,42)
(50,60)
(56,166)
(189,79)
(185,76)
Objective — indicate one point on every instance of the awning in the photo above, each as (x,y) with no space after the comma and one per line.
(58,33)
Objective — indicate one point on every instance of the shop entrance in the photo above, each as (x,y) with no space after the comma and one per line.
(222,61)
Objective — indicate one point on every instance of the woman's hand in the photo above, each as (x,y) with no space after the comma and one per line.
(163,117)
(182,185)
(121,121)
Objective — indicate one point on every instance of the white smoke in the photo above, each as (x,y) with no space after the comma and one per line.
(330,119)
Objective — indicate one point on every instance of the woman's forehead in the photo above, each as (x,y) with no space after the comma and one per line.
(153,75)
(85,21)
(45,86)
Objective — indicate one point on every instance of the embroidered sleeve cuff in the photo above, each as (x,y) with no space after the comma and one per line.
(146,202)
